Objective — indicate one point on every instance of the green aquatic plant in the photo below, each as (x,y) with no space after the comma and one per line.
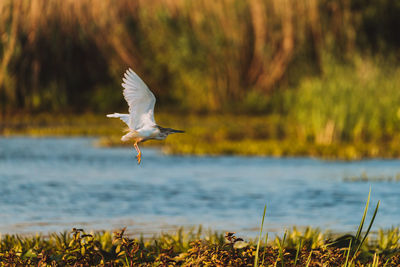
(188,248)
(256,259)
(311,238)
(358,234)
(355,243)
(388,239)
(193,247)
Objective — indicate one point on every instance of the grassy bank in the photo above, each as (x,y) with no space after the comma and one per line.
(206,135)
(309,247)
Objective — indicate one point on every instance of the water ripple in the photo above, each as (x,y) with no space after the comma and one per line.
(52,184)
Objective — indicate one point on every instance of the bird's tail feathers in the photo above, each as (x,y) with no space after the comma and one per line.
(114,115)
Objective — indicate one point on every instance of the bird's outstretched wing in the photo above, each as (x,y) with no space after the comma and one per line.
(123,117)
(140,99)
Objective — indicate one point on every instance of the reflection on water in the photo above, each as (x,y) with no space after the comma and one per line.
(56,184)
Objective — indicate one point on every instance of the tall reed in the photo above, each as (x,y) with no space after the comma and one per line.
(203,54)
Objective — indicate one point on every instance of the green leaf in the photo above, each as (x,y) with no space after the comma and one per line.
(259,238)
(71,243)
(121,253)
(118,249)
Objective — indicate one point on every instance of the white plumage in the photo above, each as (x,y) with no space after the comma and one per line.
(141,102)
(140,119)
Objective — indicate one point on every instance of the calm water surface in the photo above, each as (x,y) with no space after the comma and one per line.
(54,184)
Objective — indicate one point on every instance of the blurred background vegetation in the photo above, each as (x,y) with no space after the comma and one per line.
(316,71)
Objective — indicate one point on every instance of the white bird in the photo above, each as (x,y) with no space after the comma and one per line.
(140,119)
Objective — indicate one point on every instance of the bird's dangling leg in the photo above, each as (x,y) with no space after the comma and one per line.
(139,155)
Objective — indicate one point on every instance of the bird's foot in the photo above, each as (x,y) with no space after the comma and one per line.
(139,158)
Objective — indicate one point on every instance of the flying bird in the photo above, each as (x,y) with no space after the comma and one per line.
(140,119)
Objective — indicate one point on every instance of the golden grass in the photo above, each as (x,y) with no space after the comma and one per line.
(205,135)
(210,51)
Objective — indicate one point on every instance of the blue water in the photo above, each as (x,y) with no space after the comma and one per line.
(54,184)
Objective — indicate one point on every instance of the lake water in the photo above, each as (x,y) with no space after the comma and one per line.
(54,184)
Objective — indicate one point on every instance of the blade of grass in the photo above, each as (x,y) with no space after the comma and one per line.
(298,251)
(360,227)
(375,260)
(387,262)
(309,259)
(281,249)
(369,228)
(266,241)
(259,238)
(348,254)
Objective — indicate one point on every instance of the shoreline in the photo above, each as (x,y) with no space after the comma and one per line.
(205,136)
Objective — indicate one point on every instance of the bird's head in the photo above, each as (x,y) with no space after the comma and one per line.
(164,132)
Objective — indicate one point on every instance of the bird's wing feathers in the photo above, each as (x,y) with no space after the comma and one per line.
(140,99)
(123,117)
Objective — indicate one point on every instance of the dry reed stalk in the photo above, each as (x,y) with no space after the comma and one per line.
(243,45)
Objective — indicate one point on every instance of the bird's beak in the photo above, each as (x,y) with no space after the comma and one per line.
(176,131)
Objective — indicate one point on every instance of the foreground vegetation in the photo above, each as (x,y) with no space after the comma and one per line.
(307,248)
(310,247)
